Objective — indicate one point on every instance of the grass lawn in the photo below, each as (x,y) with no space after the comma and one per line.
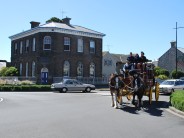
(177,100)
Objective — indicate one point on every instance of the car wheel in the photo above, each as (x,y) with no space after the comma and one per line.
(88,89)
(64,90)
(172,90)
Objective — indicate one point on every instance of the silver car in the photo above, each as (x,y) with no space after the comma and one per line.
(72,85)
(169,86)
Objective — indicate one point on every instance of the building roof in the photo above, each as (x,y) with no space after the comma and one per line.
(117,57)
(181,49)
(60,28)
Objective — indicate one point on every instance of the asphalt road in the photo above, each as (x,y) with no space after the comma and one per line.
(84,115)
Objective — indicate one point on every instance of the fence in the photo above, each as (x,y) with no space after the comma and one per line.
(19,80)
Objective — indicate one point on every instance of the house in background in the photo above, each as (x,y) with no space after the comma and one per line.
(56,50)
(168,59)
(3,63)
(110,61)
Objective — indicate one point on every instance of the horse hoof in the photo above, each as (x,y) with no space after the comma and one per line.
(112,105)
(116,107)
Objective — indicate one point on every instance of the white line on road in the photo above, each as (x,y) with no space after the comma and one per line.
(1,99)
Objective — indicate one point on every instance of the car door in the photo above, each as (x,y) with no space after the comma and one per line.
(178,85)
(79,86)
(69,85)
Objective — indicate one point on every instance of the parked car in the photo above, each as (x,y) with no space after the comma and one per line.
(72,85)
(169,86)
(182,78)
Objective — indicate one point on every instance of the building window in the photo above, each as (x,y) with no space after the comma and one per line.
(66,69)
(21,45)
(33,69)
(47,43)
(27,69)
(107,62)
(27,45)
(92,47)
(66,44)
(92,70)
(34,45)
(20,69)
(80,45)
(80,69)
(15,50)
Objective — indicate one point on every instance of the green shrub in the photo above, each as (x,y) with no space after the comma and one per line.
(25,88)
(163,77)
(177,75)
(177,100)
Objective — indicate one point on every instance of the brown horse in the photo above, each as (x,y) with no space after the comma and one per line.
(118,87)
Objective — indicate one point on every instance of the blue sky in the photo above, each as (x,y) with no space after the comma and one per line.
(129,25)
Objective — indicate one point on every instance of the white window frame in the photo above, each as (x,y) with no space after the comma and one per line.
(34,44)
(27,69)
(20,69)
(47,41)
(16,48)
(80,45)
(27,45)
(66,69)
(92,46)
(66,43)
(21,46)
(33,69)
(92,70)
(80,69)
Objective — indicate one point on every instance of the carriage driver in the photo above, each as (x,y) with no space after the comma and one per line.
(127,67)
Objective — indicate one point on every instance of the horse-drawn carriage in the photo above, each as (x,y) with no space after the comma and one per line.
(138,82)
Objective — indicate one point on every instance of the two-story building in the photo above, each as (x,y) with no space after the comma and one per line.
(57,50)
(168,59)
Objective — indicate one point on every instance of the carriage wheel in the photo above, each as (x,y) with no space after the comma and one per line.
(150,95)
(157,91)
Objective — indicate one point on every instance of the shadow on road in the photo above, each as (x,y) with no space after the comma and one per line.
(155,109)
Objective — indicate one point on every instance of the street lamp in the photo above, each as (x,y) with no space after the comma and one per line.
(176,47)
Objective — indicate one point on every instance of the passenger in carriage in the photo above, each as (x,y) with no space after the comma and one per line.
(136,60)
(127,67)
(142,61)
(131,58)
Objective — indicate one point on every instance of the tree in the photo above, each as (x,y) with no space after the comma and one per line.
(178,75)
(9,71)
(54,19)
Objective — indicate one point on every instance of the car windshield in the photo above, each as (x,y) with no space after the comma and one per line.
(167,83)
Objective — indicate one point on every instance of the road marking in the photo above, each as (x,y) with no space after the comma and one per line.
(1,99)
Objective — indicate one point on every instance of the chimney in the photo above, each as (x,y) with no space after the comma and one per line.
(173,44)
(34,24)
(66,20)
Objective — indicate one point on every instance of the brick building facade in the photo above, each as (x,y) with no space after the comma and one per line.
(168,59)
(57,50)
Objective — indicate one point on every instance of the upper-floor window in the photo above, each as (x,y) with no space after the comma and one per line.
(34,45)
(33,69)
(27,45)
(21,45)
(92,47)
(80,69)
(47,43)
(66,69)
(16,49)
(92,70)
(80,45)
(66,44)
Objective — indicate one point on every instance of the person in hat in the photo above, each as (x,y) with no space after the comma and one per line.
(142,61)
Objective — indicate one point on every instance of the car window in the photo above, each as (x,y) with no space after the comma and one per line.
(69,82)
(168,83)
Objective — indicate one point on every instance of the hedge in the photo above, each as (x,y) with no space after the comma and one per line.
(177,100)
(25,88)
